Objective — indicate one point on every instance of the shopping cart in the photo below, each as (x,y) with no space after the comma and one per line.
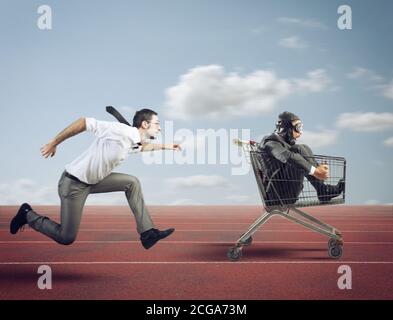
(282,195)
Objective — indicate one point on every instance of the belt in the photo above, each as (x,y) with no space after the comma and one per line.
(74,178)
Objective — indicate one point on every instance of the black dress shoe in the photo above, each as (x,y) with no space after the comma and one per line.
(20,219)
(329,192)
(150,237)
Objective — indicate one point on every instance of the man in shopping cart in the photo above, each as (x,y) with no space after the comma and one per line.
(288,163)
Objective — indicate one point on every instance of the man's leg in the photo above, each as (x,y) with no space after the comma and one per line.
(287,181)
(132,188)
(73,196)
(325,192)
(290,183)
(306,152)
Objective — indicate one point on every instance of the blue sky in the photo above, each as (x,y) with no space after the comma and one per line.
(263,56)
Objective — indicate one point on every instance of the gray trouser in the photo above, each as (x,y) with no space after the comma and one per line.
(73,195)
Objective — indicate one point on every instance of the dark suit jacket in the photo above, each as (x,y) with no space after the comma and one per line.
(276,147)
(282,170)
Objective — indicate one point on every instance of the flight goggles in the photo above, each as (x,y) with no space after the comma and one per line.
(298,127)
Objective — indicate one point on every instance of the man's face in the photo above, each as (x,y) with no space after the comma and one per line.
(296,134)
(153,127)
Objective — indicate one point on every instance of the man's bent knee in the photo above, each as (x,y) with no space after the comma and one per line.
(67,240)
(133,183)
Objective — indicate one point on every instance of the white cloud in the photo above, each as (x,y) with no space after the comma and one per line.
(199,181)
(363,73)
(319,139)
(357,73)
(388,142)
(316,81)
(25,190)
(307,23)
(293,42)
(388,90)
(238,198)
(259,30)
(366,122)
(378,82)
(107,199)
(211,93)
(371,202)
(197,142)
(185,202)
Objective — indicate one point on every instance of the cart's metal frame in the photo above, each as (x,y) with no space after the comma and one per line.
(290,212)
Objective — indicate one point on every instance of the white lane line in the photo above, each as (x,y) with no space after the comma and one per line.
(271,222)
(197,242)
(243,217)
(225,230)
(187,262)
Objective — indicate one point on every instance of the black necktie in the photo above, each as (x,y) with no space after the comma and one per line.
(117,115)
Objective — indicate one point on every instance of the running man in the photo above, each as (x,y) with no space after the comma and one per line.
(92,172)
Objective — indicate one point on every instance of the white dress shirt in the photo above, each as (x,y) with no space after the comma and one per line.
(114,141)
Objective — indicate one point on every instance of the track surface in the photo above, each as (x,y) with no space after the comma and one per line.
(285,260)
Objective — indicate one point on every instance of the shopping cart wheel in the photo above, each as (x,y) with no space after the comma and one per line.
(334,242)
(247,242)
(234,253)
(335,252)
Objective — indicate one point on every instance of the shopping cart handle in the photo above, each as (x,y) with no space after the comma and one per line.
(241,142)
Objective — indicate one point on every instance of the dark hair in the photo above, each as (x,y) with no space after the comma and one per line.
(142,115)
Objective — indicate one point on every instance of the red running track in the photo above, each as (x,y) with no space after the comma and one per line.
(285,260)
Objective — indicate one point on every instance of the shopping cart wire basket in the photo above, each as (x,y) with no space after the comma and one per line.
(283,191)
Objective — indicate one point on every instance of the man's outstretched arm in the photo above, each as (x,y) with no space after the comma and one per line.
(75,128)
(156,146)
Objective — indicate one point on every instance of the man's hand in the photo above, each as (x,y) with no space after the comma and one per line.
(49,149)
(76,127)
(321,172)
(175,146)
